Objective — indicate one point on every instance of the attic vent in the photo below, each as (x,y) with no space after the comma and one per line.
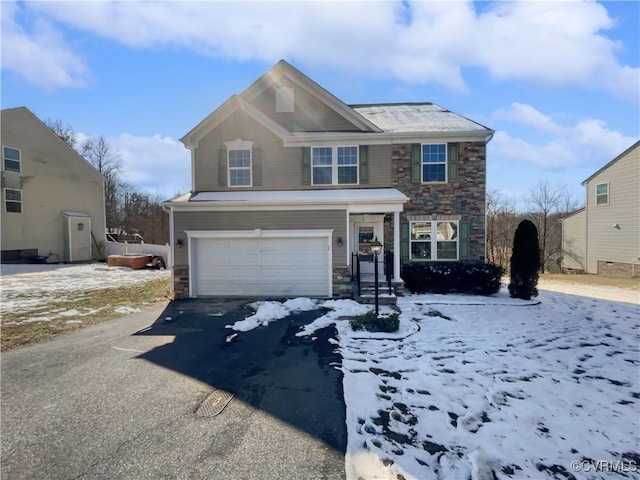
(284,100)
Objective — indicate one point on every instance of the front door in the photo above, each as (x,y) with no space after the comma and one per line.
(364,234)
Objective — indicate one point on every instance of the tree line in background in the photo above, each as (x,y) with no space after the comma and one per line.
(546,205)
(130,214)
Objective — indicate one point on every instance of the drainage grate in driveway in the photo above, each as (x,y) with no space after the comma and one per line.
(214,404)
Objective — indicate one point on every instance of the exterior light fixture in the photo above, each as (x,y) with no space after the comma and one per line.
(339,241)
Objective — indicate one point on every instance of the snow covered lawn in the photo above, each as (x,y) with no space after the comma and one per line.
(41,300)
(490,387)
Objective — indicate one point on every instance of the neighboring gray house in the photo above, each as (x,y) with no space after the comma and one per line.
(604,236)
(52,198)
(288,182)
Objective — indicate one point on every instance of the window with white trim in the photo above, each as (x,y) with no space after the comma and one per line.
(239,163)
(602,193)
(334,165)
(434,240)
(12,200)
(434,162)
(11,159)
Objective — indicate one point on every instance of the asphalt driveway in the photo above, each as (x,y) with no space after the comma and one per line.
(117,400)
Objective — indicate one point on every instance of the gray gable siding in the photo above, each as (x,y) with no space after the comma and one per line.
(309,115)
(604,242)
(281,166)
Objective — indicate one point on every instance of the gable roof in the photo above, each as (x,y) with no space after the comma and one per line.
(220,114)
(284,69)
(635,145)
(416,118)
(25,112)
(374,123)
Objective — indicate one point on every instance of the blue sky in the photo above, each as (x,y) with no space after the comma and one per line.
(559,82)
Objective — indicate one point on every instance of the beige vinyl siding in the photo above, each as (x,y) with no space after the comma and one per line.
(309,115)
(605,242)
(265,220)
(52,178)
(281,166)
(574,242)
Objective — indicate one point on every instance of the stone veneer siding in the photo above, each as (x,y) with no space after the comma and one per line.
(342,282)
(464,197)
(181,282)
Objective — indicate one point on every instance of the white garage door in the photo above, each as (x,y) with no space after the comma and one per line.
(284,267)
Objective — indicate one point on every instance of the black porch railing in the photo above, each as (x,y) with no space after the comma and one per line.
(356,275)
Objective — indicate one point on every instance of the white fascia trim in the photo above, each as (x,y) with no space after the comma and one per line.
(323,139)
(365,207)
(258,233)
(223,112)
(252,207)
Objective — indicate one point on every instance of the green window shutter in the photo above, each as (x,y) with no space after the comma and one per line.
(256,164)
(404,241)
(416,163)
(306,165)
(463,233)
(453,162)
(364,163)
(222,167)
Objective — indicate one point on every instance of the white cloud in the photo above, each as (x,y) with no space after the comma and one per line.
(552,43)
(588,141)
(527,115)
(152,161)
(38,54)
(551,155)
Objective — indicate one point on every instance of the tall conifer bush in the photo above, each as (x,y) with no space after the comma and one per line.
(525,261)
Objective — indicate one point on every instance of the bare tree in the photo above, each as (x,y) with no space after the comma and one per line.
(547,205)
(65,131)
(501,225)
(107,161)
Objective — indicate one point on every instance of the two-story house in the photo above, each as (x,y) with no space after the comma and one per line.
(288,182)
(52,198)
(603,237)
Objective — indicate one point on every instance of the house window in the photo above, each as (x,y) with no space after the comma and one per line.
(13,200)
(435,240)
(434,162)
(11,159)
(602,194)
(334,165)
(239,163)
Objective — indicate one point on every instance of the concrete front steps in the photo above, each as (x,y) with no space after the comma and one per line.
(367,294)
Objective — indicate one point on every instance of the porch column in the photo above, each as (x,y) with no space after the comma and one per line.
(396,246)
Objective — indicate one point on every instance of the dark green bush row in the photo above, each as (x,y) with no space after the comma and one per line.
(476,278)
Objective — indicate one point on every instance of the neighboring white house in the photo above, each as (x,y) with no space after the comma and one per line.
(604,236)
(52,198)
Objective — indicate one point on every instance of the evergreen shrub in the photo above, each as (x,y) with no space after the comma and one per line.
(525,261)
(475,278)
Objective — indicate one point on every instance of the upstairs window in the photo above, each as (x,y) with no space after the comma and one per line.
(602,194)
(435,240)
(11,159)
(434,162)
(239,163)
(12,200)
(334,165)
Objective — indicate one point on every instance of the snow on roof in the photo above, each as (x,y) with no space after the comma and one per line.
(417,117)
(302,196)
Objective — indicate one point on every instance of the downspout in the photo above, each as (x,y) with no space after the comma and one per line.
(488,138)
(171,243)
